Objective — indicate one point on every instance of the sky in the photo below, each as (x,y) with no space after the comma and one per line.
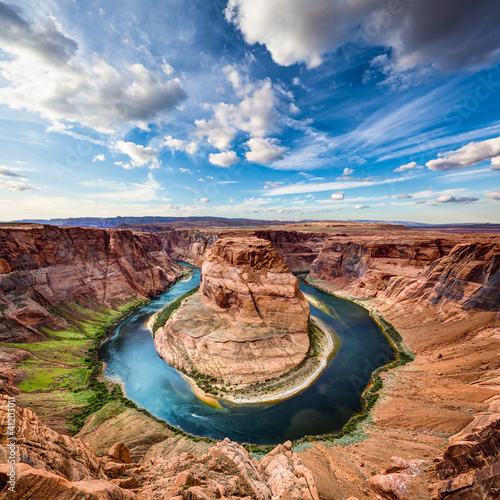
(265,109)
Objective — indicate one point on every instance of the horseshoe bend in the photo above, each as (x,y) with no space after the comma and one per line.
(429,426)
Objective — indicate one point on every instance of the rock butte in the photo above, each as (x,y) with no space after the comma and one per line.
(249,321)
(434,432)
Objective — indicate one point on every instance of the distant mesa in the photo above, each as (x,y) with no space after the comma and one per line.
(249,321)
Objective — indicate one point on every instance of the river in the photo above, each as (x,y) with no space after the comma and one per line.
(322,408)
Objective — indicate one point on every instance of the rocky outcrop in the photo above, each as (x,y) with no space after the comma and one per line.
(248,323)
(43,266)
(43,448)
(470,466)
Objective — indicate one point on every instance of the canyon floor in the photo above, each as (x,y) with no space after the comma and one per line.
(432,433)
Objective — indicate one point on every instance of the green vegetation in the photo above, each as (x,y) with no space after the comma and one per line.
(163,315)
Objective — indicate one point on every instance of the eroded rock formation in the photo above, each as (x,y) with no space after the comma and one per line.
(43,266)
(248,323)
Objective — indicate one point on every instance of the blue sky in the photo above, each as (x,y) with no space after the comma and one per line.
(270,109)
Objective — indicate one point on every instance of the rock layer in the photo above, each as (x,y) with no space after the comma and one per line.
(249,322)
(43,266)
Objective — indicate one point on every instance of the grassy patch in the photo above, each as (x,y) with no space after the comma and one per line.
(162,316)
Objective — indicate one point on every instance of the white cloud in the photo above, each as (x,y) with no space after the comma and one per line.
(409,166)
(360,207)
(139,155)
(99,158)
(16,186)
(347,171)
(179,145)
(456,200)
(9,172)
(185,170)
(255,114)
(336,196)
(224,159)
(494,195)
(43,75)
(403,196)
(264,151)
(204,200)
(469,155)
(330,186)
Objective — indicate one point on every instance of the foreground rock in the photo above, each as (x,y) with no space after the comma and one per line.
(248,323)
(44,266)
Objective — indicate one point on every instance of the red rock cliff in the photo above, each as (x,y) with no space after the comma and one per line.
(43,266)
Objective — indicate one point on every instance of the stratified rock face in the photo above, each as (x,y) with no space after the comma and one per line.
(42,266)
(470,466)
(365,266)
(467,279)
(249,322)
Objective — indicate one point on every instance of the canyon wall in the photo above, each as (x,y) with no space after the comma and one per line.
(442,273)
(248,323)
(44,266)
(297,248)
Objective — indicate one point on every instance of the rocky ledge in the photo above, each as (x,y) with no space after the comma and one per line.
(249,321)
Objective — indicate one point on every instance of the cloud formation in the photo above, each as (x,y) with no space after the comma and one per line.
(257,114)
(456,200)
(140,156)
(9,172)
(224,159)
(337,196)
(264,151)
(179,145)
(469,155)
(44,76)
(458,34)
(409,166)
(494,195)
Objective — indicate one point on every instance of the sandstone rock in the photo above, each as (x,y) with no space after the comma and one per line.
(126,482)
(114,469)
(248,323)
(43,448)
(390,486)
(46,265)
(42,484)
(470,467)
(120,452)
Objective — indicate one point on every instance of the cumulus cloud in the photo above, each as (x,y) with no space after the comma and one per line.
(139,155)
(469,155)
(204,200)
(9,172)
(224,159)
(494,195)
(264,150)
(456,200)
(256,114)
(360,207)
(347,171)
(16,186)
(337,196)
(179,145)
(409,166)
(403,196)
(44,76)
(99,158)
(457,35)
(185,170)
